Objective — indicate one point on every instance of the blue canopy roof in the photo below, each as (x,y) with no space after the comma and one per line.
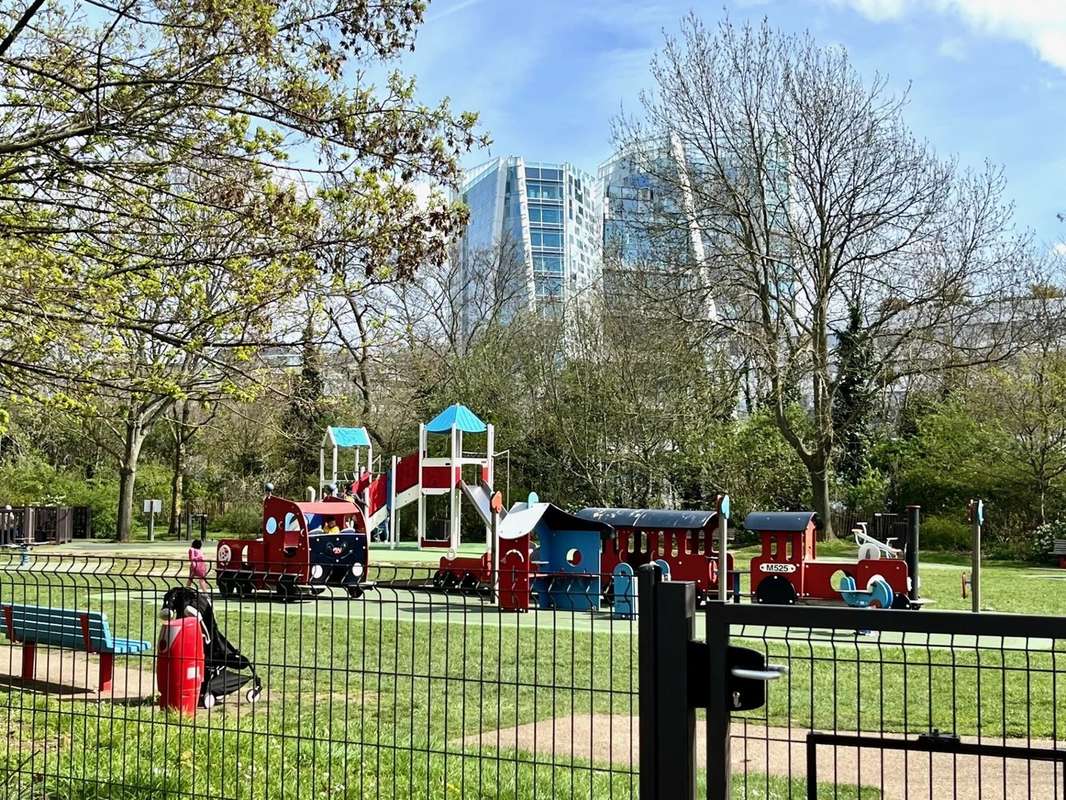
(458,415)
(349,437)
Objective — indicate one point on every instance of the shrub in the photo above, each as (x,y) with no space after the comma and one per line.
(241,520)
(1043,539)
(945,533)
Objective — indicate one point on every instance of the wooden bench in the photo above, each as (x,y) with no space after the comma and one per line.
(1058,549)
(85,631)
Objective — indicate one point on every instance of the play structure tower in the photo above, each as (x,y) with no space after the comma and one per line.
(356,439)
(444,474)
(418,475)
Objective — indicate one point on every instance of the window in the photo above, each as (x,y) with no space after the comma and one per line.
(549,215)
(549,288)
(550,264)
(544,191)
(546,239)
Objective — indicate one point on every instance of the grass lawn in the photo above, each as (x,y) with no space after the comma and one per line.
(404,694)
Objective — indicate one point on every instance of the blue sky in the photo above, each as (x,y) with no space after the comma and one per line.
(987,77)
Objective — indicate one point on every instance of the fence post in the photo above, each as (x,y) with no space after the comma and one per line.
(719,764)
(665,626)
(914,533)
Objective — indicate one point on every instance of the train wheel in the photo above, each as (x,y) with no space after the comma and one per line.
(355,592)
(286,590)
(226,586)
(775,590)
(438,579)
(901,601)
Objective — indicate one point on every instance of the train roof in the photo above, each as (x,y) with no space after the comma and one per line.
(649,517)
(523,519)
(783,521)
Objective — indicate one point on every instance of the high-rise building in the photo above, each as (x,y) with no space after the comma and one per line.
(541,224)
(651,242)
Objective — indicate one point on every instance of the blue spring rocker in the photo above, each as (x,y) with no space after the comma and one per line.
(878,593)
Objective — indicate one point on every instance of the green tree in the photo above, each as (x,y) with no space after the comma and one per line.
(110,115)
(810,197)
(853,400)
(305,419)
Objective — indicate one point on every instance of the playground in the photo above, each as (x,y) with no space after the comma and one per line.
(510,666)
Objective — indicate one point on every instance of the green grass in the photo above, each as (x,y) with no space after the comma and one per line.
(367,705)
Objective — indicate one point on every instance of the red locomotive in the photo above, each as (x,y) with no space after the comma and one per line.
(302,546)
(788,569)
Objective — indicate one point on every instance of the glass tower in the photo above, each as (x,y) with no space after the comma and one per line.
(549,216)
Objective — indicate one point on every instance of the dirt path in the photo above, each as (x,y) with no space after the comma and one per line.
(75,675)
(782,752)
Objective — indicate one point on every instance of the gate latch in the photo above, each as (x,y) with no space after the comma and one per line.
(748,674)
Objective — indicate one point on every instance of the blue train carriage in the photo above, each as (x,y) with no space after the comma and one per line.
(565,564)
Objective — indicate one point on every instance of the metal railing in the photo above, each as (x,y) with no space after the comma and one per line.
(411,690)
(420,690)
(834,702)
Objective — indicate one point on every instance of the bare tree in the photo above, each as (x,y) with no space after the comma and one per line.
(812,198)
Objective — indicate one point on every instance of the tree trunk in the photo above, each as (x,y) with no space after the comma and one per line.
(127,474)
(820,494)
(177,478)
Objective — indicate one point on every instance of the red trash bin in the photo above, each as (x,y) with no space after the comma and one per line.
(179,665)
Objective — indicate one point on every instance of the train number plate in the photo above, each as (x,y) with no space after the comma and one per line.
(777,568)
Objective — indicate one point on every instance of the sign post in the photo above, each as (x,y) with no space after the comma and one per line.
(976,513)
(723,545)
(151,508)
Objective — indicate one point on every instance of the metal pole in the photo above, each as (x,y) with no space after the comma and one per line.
(723,548)
(665,625)
(151,523)
(914,529)
(718,705)
(976,513)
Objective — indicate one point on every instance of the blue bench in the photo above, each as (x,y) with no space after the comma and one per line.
(85,631)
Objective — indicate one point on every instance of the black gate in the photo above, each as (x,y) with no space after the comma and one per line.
(828,702)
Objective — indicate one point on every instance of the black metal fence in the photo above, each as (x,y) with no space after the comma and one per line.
(831,702)
(414,690)
(409,691)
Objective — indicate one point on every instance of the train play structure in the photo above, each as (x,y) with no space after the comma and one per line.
(302,548)
(788,570)
(538,555)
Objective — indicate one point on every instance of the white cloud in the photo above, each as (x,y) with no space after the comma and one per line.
(1041,24)
(953,47)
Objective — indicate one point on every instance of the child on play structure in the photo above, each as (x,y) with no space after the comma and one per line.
(197,566)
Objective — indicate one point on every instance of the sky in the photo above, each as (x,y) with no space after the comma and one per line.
(987,78)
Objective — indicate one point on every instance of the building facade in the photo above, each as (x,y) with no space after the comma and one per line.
(539,227)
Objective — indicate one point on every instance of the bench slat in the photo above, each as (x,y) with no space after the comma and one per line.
(59,626)
(62,627)
(131,646)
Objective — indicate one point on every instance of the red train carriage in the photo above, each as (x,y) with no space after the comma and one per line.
(296,551)
(788,568)
(683,539)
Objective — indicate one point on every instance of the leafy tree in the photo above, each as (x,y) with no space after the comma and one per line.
(148,172)
(306,417)
(853,401)
(811,197)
